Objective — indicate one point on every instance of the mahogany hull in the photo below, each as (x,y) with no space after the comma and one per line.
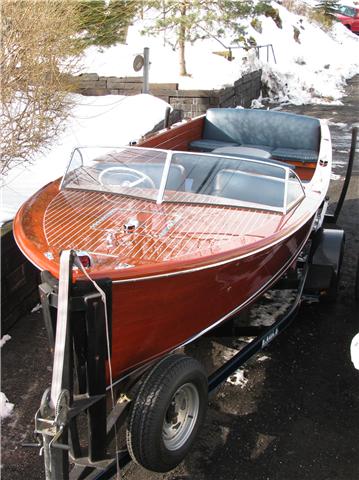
(153,316)
(186,268)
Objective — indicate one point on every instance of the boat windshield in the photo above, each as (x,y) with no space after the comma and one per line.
(183,177)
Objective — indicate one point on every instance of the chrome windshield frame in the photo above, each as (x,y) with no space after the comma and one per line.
(166,169)
(76,149)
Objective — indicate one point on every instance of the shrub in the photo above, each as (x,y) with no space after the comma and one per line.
(318,16)
(39,53)
(296,6)
(265,8)
(257,25)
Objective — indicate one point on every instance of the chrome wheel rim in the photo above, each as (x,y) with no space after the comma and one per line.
(180,417)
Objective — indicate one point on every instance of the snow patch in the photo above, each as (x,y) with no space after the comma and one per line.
(354,351)
(265,314)
(257,103)
(238,378)
(6,407)
(4,339)
(36,308)
(263,358)
(337,124)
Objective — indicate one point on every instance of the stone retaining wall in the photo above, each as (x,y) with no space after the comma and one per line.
(19,281)
(191,102)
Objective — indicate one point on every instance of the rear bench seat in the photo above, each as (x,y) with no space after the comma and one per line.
(285,136)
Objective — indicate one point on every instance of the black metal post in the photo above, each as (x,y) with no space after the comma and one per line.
(333,218)
(167,117)
(96,375)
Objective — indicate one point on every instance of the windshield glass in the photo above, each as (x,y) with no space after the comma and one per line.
(183,177)
(227,180)
(129,170)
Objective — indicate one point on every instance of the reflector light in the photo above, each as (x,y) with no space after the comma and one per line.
(84,259)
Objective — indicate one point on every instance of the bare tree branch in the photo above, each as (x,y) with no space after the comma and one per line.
(39,52)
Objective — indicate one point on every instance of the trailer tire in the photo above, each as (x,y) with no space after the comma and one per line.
(167,413)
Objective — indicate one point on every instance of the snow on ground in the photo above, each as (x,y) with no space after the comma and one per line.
(111,120)
(36,308)
(275,304)
(263,358)
(5,406)
(207,70)
(354,351)
(238,378)
(4,339)
(312,70)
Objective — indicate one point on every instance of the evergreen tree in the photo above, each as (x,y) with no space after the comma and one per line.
(194,19)
(328,7)
(105,22)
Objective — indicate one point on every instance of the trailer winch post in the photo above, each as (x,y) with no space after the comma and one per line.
(80,351)
(51,420)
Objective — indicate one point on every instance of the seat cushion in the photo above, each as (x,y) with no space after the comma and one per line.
(207,145)
(294,154)
(253,154)
(240,151)
(265,148)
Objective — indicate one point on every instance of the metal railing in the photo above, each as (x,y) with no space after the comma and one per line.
(269,49)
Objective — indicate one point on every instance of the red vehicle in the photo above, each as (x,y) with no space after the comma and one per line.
(349,17)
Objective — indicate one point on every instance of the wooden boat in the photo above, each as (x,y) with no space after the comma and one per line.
(190,225)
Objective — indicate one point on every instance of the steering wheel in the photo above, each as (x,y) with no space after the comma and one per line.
(141,177)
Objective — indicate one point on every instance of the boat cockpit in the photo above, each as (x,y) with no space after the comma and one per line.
(185,177)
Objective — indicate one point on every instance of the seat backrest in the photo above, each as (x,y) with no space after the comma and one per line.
(262,127)
(249,188)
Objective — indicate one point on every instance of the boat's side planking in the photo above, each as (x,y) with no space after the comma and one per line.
(177,137)
(158,314)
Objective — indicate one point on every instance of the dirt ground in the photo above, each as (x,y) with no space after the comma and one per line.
(297,417)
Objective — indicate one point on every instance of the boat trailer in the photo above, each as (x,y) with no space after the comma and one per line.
(82,416)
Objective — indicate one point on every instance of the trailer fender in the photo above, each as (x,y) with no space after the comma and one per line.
(325,263)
